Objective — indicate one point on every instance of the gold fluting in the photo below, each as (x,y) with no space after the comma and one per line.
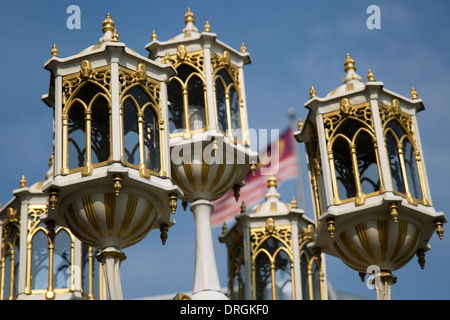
(50,224)
(370,76)
(141,72)
(393,211)
(53,198)
(294,203)
(331,227)
(108,24)
(85,69)
(115,36)
(300,124)
(243,48)
(23,182)
(54,51)
(414,94)
(207,27)
(439,228)
(173,202)
(237,189)
(421,258)
(154,36)
(164,228)
(253,168)
(189,17)
(349,63)
(117,184)
(312,92)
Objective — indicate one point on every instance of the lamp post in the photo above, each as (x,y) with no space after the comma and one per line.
(368,180)
(208,125)
(112,182)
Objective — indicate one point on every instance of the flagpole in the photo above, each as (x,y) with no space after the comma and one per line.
(299,177)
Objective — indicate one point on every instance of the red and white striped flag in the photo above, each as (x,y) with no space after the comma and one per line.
(283,164)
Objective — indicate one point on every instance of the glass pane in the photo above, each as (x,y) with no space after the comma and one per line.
(235,113)
(139,95)
(367,163)
(263,277)
(304,275)
(316,281)
(184,71)
(151,140)
(411,170)
(39,261)
(344,169)
(283,280)
(320,181)
(196,100)
(130,132)
(176,110)
(100,137)
(62,260)
(221,106)
(394,163)
(15,239)
(76,136)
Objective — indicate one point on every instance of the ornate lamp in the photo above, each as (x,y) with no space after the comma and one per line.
(269,255)
(368,179)
(112,182)
(209,138)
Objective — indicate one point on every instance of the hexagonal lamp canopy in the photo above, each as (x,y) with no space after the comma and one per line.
(369,186)
(112,182)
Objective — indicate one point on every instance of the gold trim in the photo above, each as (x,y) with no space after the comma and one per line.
(129,213)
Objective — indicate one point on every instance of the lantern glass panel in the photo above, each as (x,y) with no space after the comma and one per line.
(39,261)
(367,163)
(345,176)
(100,130)
(283,279)
(221,106)
(76,136)
(304,274)
(62,260)
(151,140)
(130,132)
(176,109)
(196,100)
(412,171)
(263,277)
(394,163)
(235,112)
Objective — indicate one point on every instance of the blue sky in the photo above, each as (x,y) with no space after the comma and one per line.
(293,45)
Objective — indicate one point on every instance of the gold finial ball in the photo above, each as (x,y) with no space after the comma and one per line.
(294,203)
(23,182)
(55,51)
(272,182)
(154,36)
(243,48)
(189,17)
(312,92)
(108,24)
(207,27)
(414,94)
(370,76)
(349,63)
(115,36)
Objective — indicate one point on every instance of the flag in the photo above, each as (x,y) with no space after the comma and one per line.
(278,158)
